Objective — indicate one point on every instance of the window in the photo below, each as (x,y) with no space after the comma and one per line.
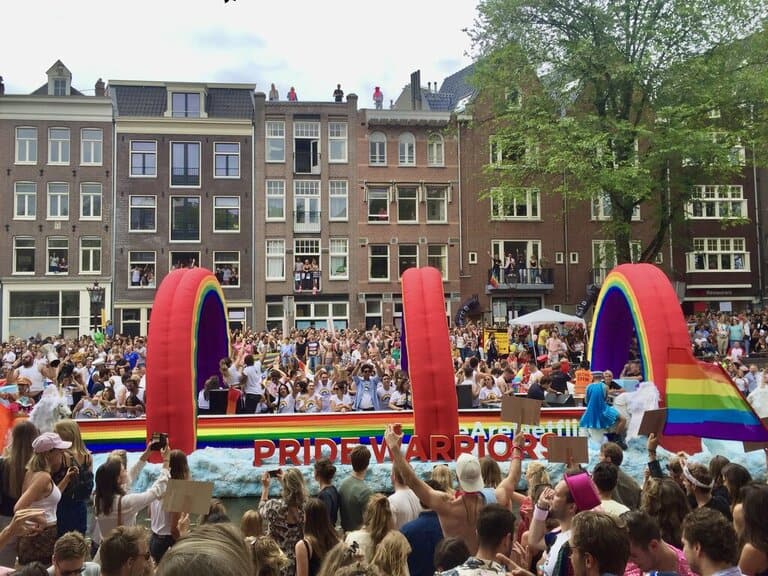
(58,146)
(406,149)
(306,205)
(276,200)
(184,259)
(506,151)
(437,257)
(515,204)
(338,200)
(58,201)
(226,266)
(275,260)
(338,255)
(472,257)
(141,269)
(185,218)
(226,160)
(306,147)
(185,105)
(226,214)
(143,159)
(90,255)
(275,131)
(23,255)
(407,205)
(559,258)
(275,315)
(306,265)
(91,143)
(407,257)
(718,254)
(717,203)
(604,253)
(377,149)
(142,214)
(378,205)
(58,256)
(573,257)
(26,145)
(60,87)
(25,200)
(435,150)
(378,262)
(90,201)
(437,205)
(185,164)
(602,210)
(737,154)
(337,142)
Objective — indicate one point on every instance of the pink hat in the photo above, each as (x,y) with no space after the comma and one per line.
(583,491)
(48,441)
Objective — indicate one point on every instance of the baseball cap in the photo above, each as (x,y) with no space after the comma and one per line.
(468,473)
(583,491)
(48,441)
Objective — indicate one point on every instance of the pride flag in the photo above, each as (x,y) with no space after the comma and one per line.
(703,401)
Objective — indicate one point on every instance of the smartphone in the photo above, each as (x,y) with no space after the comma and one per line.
(274,473)
(159,441)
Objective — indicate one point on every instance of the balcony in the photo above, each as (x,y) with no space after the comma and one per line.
(522,280)
(185,177)
(306,222)
(307,279)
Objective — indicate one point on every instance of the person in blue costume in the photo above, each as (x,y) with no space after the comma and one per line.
(600,415)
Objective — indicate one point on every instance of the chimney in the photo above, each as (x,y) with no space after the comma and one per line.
(435,87)
(416,90)
(99,87)
(2,86)
(429,86)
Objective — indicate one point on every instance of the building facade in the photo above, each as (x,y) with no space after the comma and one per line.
(56,194)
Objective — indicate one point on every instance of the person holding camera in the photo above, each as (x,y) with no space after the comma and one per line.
(72,511)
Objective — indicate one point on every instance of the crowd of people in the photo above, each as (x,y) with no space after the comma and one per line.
(686,518)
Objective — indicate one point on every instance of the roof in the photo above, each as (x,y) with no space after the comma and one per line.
(152,101)
(456,87)
(546,316)
(43,91)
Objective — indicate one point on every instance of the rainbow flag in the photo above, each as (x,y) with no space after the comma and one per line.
(493,282)
(703,401)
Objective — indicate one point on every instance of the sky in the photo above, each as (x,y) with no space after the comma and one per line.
(312,45)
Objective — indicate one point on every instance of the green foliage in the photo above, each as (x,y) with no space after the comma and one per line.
(634,99)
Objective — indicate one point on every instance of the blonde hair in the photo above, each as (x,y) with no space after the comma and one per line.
(536,474)
(339,557)
(209,550)
(391,555)
(294,489)
(69,431)
(268,559)
(38,463)
(377,518)
(443,476)
(252,524)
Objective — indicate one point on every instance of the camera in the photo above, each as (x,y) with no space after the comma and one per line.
(159,441)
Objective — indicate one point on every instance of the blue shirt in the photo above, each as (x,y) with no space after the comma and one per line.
(423,534)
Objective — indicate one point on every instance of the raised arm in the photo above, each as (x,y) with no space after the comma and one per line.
(538,528)
(433,499)
(505,492)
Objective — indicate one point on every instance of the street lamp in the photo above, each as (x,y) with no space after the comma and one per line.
(96,296)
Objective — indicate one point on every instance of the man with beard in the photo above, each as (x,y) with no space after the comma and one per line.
(35,372)
(599,545)
(125,552)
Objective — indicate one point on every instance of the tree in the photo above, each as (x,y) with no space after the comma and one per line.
(620,96)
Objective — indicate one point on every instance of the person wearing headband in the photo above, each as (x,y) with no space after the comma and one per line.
(698,484)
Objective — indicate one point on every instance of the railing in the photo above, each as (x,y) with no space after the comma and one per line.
(306,221)
(185,177)
(521,279)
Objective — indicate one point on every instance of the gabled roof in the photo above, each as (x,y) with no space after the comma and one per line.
(56,65)
(43,91)
(456,87)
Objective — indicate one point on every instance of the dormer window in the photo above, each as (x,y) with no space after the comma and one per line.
(60,87)
(59,80)
(185,105)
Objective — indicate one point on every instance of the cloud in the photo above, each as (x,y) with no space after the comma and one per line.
(227,39)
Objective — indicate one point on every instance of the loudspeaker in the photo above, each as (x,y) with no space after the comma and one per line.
(218,401)
(464,395)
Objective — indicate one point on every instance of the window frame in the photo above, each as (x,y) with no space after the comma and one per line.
(379,157)
(370,262)
(91,250)
(377,191)
(401,257)
(229,262)
(722,251)
(49,193)
(601,209)
(216,155)
(273,195)
(216,208)
(406,149)
(64,145)
(49,248)
(132,261)
(186,144)
(94,145)
(336,138)
(27,146)
(83,194)
(332,275)
(131,208)
(16,248)
(27,194)
(334,194)
(443,257)
(415,200)
(268,138)
(444,202)
(435,142)
(186,111)
(274,256)
(701,194)
(171,198)
(496,207)
(143,154)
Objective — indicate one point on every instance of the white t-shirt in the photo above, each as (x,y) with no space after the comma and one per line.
(253,382)
(203,404)
(405,506)
(613,508)
(550,561)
